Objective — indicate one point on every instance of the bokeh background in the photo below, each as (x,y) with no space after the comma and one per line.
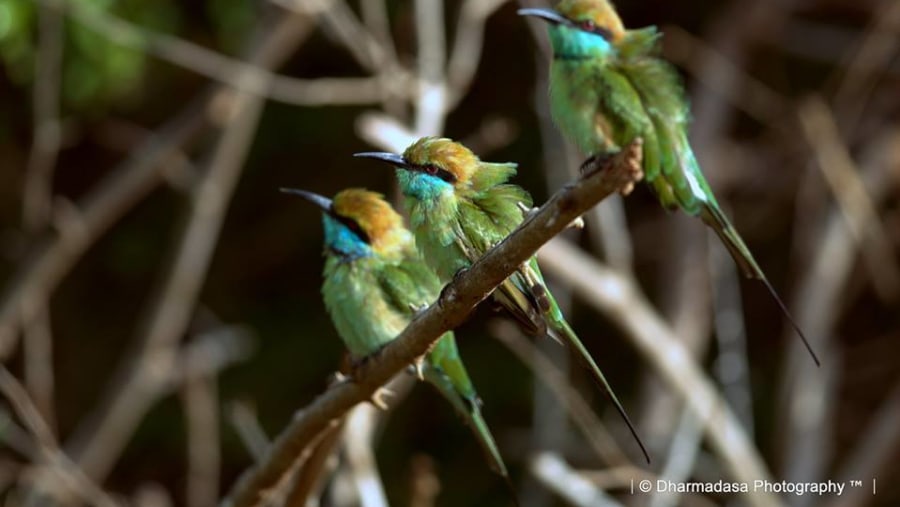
(161,317)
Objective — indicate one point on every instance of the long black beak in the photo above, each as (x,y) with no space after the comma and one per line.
(546,14)
(390,158)
(323,203)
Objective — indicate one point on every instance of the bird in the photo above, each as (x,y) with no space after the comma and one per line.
(610,85)
(374,283)
(459,207)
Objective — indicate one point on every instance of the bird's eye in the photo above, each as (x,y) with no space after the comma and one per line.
(588,25)
(431,169)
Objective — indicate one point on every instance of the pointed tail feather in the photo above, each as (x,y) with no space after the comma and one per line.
(565,332)
(467,407)
(715,219)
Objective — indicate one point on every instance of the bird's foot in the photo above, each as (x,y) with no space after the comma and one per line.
(448,294)
(633,157)
(378,397)
(594,163)
(417,309)
(539,293)
(338,378)
(418,367)
(578,223)
(527,212)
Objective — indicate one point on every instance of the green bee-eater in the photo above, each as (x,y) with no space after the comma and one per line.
(374,282)
(609,85)
(460,207)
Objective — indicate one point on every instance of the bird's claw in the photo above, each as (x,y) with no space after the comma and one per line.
(527,212)
(633,157)
(378,397)
(418,367)
(338,378)
(417,308)
(578,223)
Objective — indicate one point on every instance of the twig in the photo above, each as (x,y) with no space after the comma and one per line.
(313,476)
(45,448)
(872,453)
(452,308)
(732,365)
(54,255)
(870,59)
(99,442)
(467,44)
(681,458)
(255,80)
(557,476)
(842,176)
(424,485)
(243,418)
(550,375)
(37,201)
(805,405)
(358,434)
(45,146)
(432,94)
(200,399)
(620,299)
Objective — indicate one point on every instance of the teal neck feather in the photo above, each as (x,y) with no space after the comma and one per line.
(343,241)
(573,44)
(421,186)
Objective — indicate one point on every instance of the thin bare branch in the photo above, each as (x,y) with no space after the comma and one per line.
(843,177)
(200,400)
(467,45)
(584,418)
(556,475)
(621,300)
(805,406)
(253,79)
(45,448)
(243,418)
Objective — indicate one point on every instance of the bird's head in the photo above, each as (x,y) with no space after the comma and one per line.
(581,28)
(431,167)
(358,223)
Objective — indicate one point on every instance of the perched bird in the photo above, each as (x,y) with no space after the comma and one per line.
(374,283)
(609,85)
(460,207)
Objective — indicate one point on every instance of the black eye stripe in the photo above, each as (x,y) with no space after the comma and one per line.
(589,26)
(353,226)
(434,170)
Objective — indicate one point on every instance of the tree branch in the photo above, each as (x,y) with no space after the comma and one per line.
(452,308)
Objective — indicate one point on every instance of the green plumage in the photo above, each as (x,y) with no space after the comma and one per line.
(609,86)
(459,208)
(372,288)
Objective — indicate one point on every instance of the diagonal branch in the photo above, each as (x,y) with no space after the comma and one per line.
(452,308)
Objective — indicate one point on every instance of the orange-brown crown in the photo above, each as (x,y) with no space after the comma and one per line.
(373,214)
(444,153)
(601,12)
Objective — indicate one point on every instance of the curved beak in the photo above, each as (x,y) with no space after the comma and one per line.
(390,158)
(323,203)
(547,15)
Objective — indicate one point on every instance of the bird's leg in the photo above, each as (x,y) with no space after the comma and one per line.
(378,397)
